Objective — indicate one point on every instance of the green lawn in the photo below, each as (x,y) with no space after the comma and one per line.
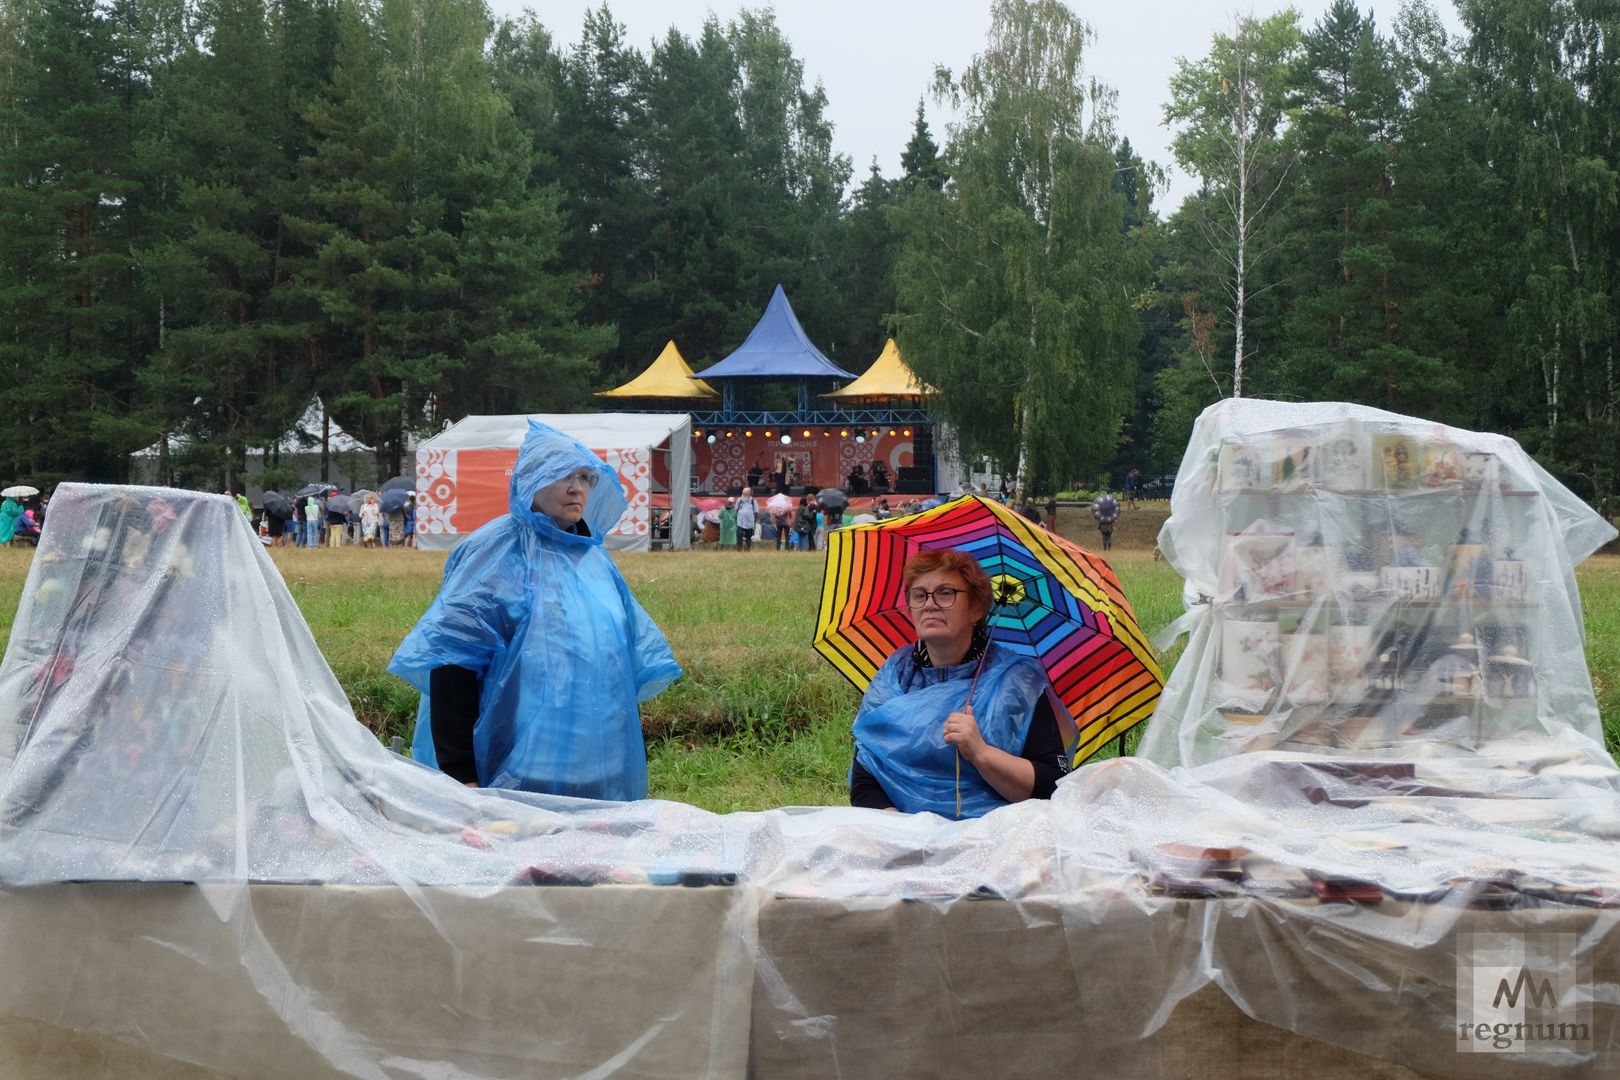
(759,720)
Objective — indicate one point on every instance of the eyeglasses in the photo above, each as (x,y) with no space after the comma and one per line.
(585,478)
(944,596)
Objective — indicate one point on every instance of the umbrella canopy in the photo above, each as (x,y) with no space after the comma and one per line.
(340,503)
(1105,508)
(278,505)
(19,491)
(779,504)
(319,487)
(400,483)
(394,499)
(1054,601)
(832,498)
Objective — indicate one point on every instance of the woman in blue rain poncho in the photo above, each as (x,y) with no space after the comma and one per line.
(534,657)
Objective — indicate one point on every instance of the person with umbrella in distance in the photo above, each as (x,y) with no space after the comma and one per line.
(534,657)
(1105,509)
(955,724)
(11,512)
(337,520)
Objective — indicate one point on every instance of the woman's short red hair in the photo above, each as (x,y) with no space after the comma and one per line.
(950,560)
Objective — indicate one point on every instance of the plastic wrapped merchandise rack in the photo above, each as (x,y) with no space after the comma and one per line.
(209,868)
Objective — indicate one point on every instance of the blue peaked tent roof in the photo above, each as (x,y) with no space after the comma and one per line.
(776,348)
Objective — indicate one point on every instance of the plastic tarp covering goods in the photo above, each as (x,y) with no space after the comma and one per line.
(209,868)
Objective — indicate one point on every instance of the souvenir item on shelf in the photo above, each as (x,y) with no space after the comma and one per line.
(1350,647)
(1294,462)
(1258,564)
(1343,458)
(1510,580)
(1438,465)
(1243,466)
(1419,583)
(1468,569)
(1305,667)
(1395,462)
(1479,468)
(1251,663)
(1457,673)
(1313,564)
(1360,586)
(1511,675)
(1385,673)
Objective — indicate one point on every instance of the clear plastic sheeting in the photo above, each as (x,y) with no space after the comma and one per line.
(1358,580)
(210,869)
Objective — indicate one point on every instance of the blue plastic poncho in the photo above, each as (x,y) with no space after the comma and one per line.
(10,511)
(899,730)
(564,652)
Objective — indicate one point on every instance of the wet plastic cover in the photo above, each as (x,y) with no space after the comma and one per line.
(209,867)
(1358,580)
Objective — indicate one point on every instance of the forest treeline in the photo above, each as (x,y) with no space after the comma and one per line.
(214,212)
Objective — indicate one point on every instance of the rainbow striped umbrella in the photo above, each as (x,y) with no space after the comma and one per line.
(1053,600)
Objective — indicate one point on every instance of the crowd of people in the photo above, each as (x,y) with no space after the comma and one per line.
(803,525)
(315,521)
(782,523)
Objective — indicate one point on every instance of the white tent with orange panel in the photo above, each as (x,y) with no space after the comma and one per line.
(464,474)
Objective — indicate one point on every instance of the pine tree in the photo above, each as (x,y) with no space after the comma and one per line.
(920,163)
(70,213)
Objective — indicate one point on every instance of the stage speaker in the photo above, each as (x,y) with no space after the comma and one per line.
(914,480)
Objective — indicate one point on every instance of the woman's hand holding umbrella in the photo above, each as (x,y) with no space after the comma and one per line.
(1009,774)
(962,732)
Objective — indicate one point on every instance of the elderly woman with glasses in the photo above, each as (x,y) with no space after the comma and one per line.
(534,658)
(921,744)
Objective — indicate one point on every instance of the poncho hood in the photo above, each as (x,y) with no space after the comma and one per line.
(548,455)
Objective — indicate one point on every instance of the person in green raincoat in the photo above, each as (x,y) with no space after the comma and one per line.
(728,524)
(11,510)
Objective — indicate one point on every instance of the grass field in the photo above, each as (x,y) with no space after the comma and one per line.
(759,720)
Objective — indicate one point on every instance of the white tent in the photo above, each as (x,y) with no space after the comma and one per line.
(350,462)
(463,474)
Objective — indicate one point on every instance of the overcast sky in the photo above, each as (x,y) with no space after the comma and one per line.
(875,57)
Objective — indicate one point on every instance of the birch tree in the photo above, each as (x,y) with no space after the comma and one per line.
(1231,109)
(1016,281)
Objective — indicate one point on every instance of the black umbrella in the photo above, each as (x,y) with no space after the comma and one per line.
(278,505)
(832,499)
(339,503)
(319,487)
(395,500)
(401,483)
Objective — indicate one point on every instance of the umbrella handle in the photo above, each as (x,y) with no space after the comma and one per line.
(968,704)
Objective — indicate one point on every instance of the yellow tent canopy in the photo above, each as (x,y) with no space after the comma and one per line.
(669,376)
(888,377)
